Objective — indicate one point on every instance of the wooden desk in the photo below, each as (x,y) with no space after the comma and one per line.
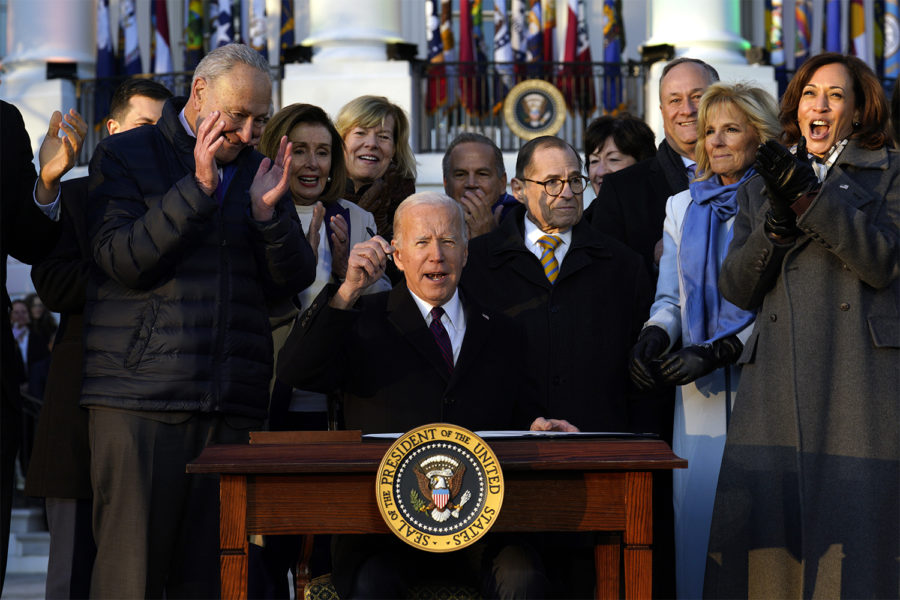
(551,485)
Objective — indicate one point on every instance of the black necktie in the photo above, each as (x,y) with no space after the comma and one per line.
(441,337)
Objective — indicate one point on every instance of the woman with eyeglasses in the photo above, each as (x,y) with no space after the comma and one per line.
(733,119)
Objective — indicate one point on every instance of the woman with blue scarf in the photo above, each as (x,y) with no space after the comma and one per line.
(733,120)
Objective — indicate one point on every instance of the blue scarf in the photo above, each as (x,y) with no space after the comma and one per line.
(708,315)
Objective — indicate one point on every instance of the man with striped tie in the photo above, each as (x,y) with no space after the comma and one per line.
(420,353)
(579,296)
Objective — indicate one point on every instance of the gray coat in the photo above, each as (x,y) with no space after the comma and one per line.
(807,500)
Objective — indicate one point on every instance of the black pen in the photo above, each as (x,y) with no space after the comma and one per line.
(372,234)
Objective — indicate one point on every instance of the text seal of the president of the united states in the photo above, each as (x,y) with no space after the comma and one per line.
(439,487)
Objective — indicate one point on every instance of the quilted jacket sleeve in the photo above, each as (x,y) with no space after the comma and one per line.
(138,237)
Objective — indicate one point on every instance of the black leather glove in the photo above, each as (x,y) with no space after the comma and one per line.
(693,362)
(651,343)
(787,177)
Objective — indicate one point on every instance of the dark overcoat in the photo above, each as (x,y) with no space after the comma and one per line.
(580,329)
(60,461)
(27,235)
(808,499)
(631,205)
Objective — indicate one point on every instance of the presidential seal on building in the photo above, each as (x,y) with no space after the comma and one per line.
(439,487)
(534,108)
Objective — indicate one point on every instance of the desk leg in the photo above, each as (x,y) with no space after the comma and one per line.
(607,564)
(638,535)
(233,546)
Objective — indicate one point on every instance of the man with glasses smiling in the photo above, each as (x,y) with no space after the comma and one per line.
(580,297)
(192,234)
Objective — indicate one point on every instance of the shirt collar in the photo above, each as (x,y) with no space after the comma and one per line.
(533,233)
(822,165)
(452,308)
(185,124)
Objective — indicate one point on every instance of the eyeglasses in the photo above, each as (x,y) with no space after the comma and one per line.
(554,187)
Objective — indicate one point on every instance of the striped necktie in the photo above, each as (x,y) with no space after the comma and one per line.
(441,336)
(548,259)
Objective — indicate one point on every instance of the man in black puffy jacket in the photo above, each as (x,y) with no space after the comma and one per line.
(192,234)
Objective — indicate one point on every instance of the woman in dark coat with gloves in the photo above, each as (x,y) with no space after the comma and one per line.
(809,489)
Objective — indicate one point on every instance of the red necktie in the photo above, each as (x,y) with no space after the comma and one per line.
(441,337)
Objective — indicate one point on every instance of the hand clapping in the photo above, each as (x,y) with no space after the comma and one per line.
(57,154)
(271,182)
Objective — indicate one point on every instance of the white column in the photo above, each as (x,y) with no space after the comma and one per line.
(38,32)
(42,31)
(352,30)
(704,29)
(349,56)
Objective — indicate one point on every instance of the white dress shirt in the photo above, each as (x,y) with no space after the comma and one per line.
(533,233)
(454,320)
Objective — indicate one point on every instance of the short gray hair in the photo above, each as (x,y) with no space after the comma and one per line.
(431,199)
(224,58)
(712,76)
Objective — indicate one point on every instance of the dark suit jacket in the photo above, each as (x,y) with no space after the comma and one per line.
(37,364)
(580,329)
(60,461)
(27,234)
(384,359)
(631,205)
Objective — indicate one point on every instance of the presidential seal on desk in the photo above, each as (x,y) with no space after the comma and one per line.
(439,487)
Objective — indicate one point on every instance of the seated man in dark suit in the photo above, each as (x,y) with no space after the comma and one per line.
(419,353)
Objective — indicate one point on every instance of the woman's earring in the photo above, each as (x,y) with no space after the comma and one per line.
(855,124)
(329,179)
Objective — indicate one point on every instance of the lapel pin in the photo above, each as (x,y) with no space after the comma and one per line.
(844,186)
(485,316)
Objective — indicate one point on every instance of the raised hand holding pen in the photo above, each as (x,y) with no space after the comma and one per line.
(373,234)
(365,266)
